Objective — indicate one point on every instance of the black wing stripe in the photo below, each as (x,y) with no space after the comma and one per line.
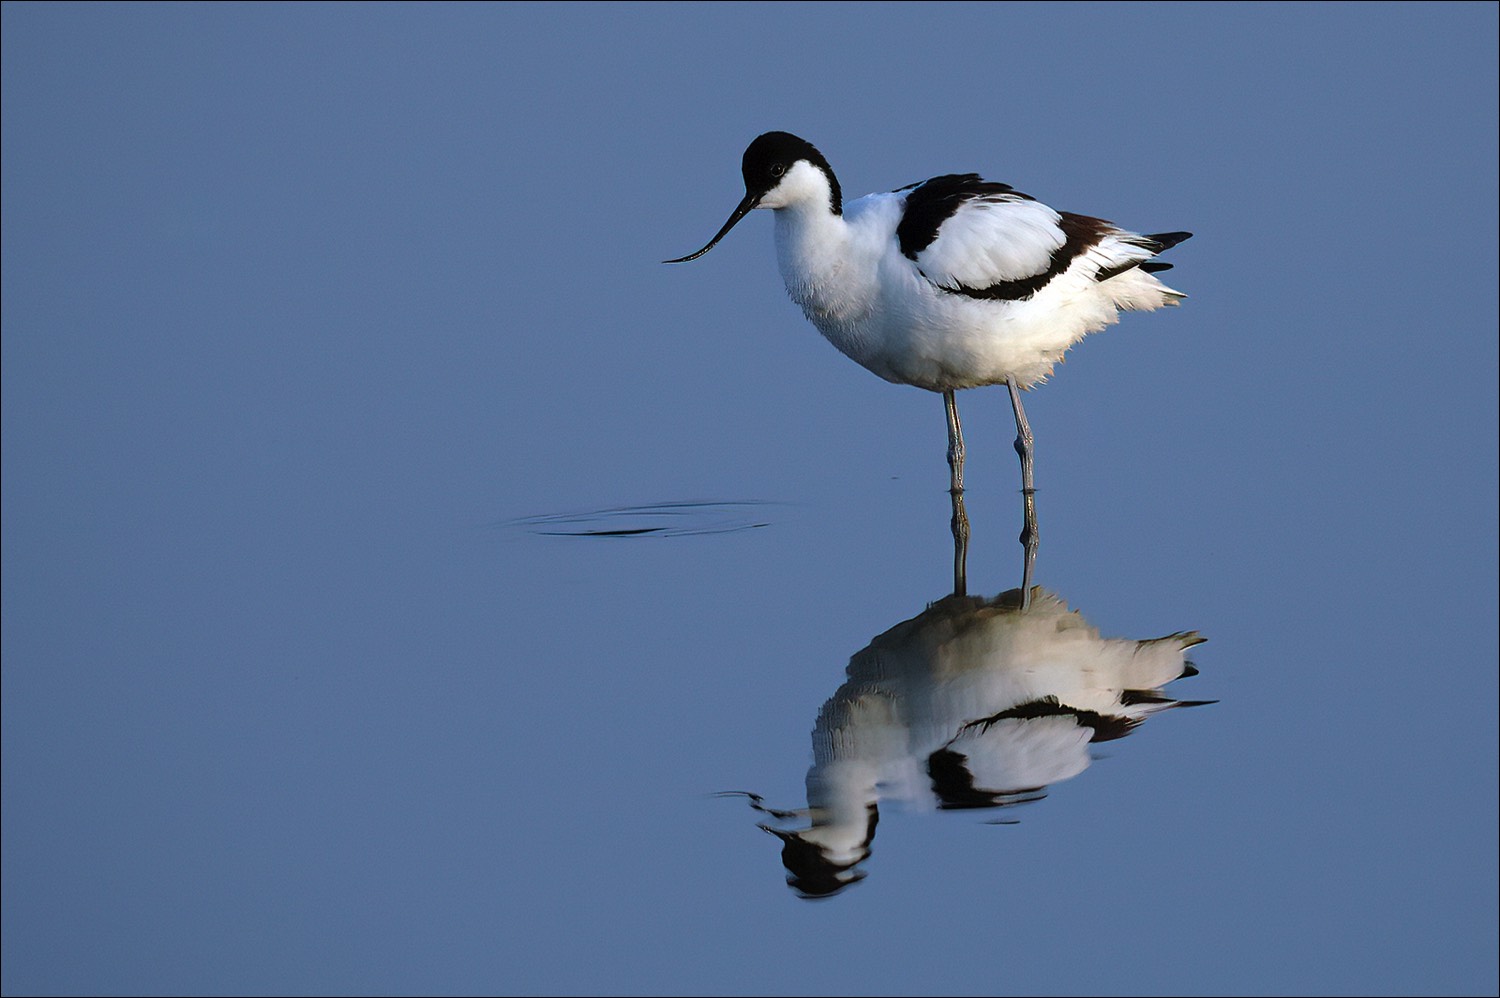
(1080,234)
(933,202)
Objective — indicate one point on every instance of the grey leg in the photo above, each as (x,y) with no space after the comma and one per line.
(955,446)
(1028,492)
(956,491)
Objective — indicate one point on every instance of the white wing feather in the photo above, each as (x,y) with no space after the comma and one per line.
(992,239)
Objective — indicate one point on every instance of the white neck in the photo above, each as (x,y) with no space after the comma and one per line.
(811,241)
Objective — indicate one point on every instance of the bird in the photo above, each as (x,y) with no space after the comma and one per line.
(952,283)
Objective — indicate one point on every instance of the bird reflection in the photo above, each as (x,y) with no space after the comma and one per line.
(974,703)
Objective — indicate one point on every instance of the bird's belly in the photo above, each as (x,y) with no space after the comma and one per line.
(944,345)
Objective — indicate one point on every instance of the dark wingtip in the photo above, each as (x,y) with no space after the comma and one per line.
(1166,240)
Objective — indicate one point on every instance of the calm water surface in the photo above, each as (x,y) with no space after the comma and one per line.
(401,566)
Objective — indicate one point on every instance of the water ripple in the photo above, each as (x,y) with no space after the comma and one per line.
(666,519)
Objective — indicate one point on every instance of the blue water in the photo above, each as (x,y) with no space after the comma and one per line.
(401,565)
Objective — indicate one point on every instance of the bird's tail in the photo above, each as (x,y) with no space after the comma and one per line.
(1133,284)
(1152,664)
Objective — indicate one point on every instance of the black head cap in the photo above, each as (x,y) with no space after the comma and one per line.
(769,157)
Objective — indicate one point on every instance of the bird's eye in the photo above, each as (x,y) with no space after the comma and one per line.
(777,169)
